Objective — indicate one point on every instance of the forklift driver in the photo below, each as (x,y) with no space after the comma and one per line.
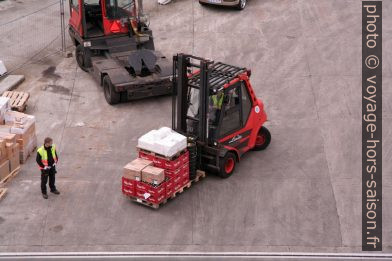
(217,102)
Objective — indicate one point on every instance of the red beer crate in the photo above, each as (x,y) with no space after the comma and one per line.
(185,177)
(185,157)
(145,155)
(151,193)
(169,187)
(128,187)
(185,168)
(168,163)
(173,164)
(173,173)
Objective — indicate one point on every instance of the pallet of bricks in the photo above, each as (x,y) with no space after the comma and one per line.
(161,169)
(17,139)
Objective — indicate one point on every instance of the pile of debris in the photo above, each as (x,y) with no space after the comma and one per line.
(160,171)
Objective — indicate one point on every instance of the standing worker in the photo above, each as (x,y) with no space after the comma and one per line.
(47,159)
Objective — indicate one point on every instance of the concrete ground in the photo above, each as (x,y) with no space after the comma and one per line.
(302,194)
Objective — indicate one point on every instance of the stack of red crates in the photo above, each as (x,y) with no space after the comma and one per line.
(176,176)
(176,169)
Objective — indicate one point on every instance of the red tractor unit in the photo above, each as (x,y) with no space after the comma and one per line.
(214,105)
(114,43)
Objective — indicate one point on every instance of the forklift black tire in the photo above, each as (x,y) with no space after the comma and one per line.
(263,139)
(80,57)
(241,5)
(227,165)
(112,97)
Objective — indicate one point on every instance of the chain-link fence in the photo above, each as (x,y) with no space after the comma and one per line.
(30,33)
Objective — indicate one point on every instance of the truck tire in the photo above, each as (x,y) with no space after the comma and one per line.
(81,58)
(241,5)
(227,165)
(263,139)
(112,97)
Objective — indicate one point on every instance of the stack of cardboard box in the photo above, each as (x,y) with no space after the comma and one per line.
(9,151)
(21,125)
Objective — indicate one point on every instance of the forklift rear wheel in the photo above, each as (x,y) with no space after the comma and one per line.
(263,139)
(241,5)
(227,165)
(111,96)
(80,57)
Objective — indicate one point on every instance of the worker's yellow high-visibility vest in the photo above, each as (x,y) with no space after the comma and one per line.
(217,101)
(44,155)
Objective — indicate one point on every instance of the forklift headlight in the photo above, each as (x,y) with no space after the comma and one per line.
(87,44)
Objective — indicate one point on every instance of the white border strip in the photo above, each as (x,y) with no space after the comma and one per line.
(198,254)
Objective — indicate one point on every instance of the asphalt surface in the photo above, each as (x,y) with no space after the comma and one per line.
(302,194)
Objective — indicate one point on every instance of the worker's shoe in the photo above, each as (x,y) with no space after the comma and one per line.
(56,192)
(45,196)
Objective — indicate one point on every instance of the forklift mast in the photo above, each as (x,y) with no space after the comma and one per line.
(185,69)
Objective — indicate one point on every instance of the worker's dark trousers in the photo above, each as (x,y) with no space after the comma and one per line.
(45,175)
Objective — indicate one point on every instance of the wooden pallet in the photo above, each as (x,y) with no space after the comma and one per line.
(175,156)
(18,100)
(3,191)
(199,175)
(10,176)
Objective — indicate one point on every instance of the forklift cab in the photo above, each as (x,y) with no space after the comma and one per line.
(228,111)
(96,18)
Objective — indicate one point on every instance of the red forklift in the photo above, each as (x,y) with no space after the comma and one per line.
(214,105)
(114,44)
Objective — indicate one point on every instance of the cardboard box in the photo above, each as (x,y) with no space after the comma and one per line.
(18,119)
(4,169)
(13,154)
(8,137)
(12,149)
(3,151)
(25,151)
(153,175)
(133,170)
(5,129)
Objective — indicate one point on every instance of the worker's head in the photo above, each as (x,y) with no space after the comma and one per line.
(48,142)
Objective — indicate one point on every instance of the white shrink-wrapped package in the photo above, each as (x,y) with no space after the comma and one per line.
(147,141)
(166,147)
(163,141)
(180,140)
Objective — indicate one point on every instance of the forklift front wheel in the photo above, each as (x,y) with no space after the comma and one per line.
(81,57)
(227,165)
(263,139)
(111,96)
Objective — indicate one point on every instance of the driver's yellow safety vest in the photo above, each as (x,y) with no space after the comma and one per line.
(217,101)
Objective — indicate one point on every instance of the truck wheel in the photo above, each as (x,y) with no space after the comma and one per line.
(81,58)
(241,5)
(227,165)
(111,96)
(263,139)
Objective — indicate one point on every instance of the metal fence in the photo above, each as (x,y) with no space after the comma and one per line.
(30,34)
